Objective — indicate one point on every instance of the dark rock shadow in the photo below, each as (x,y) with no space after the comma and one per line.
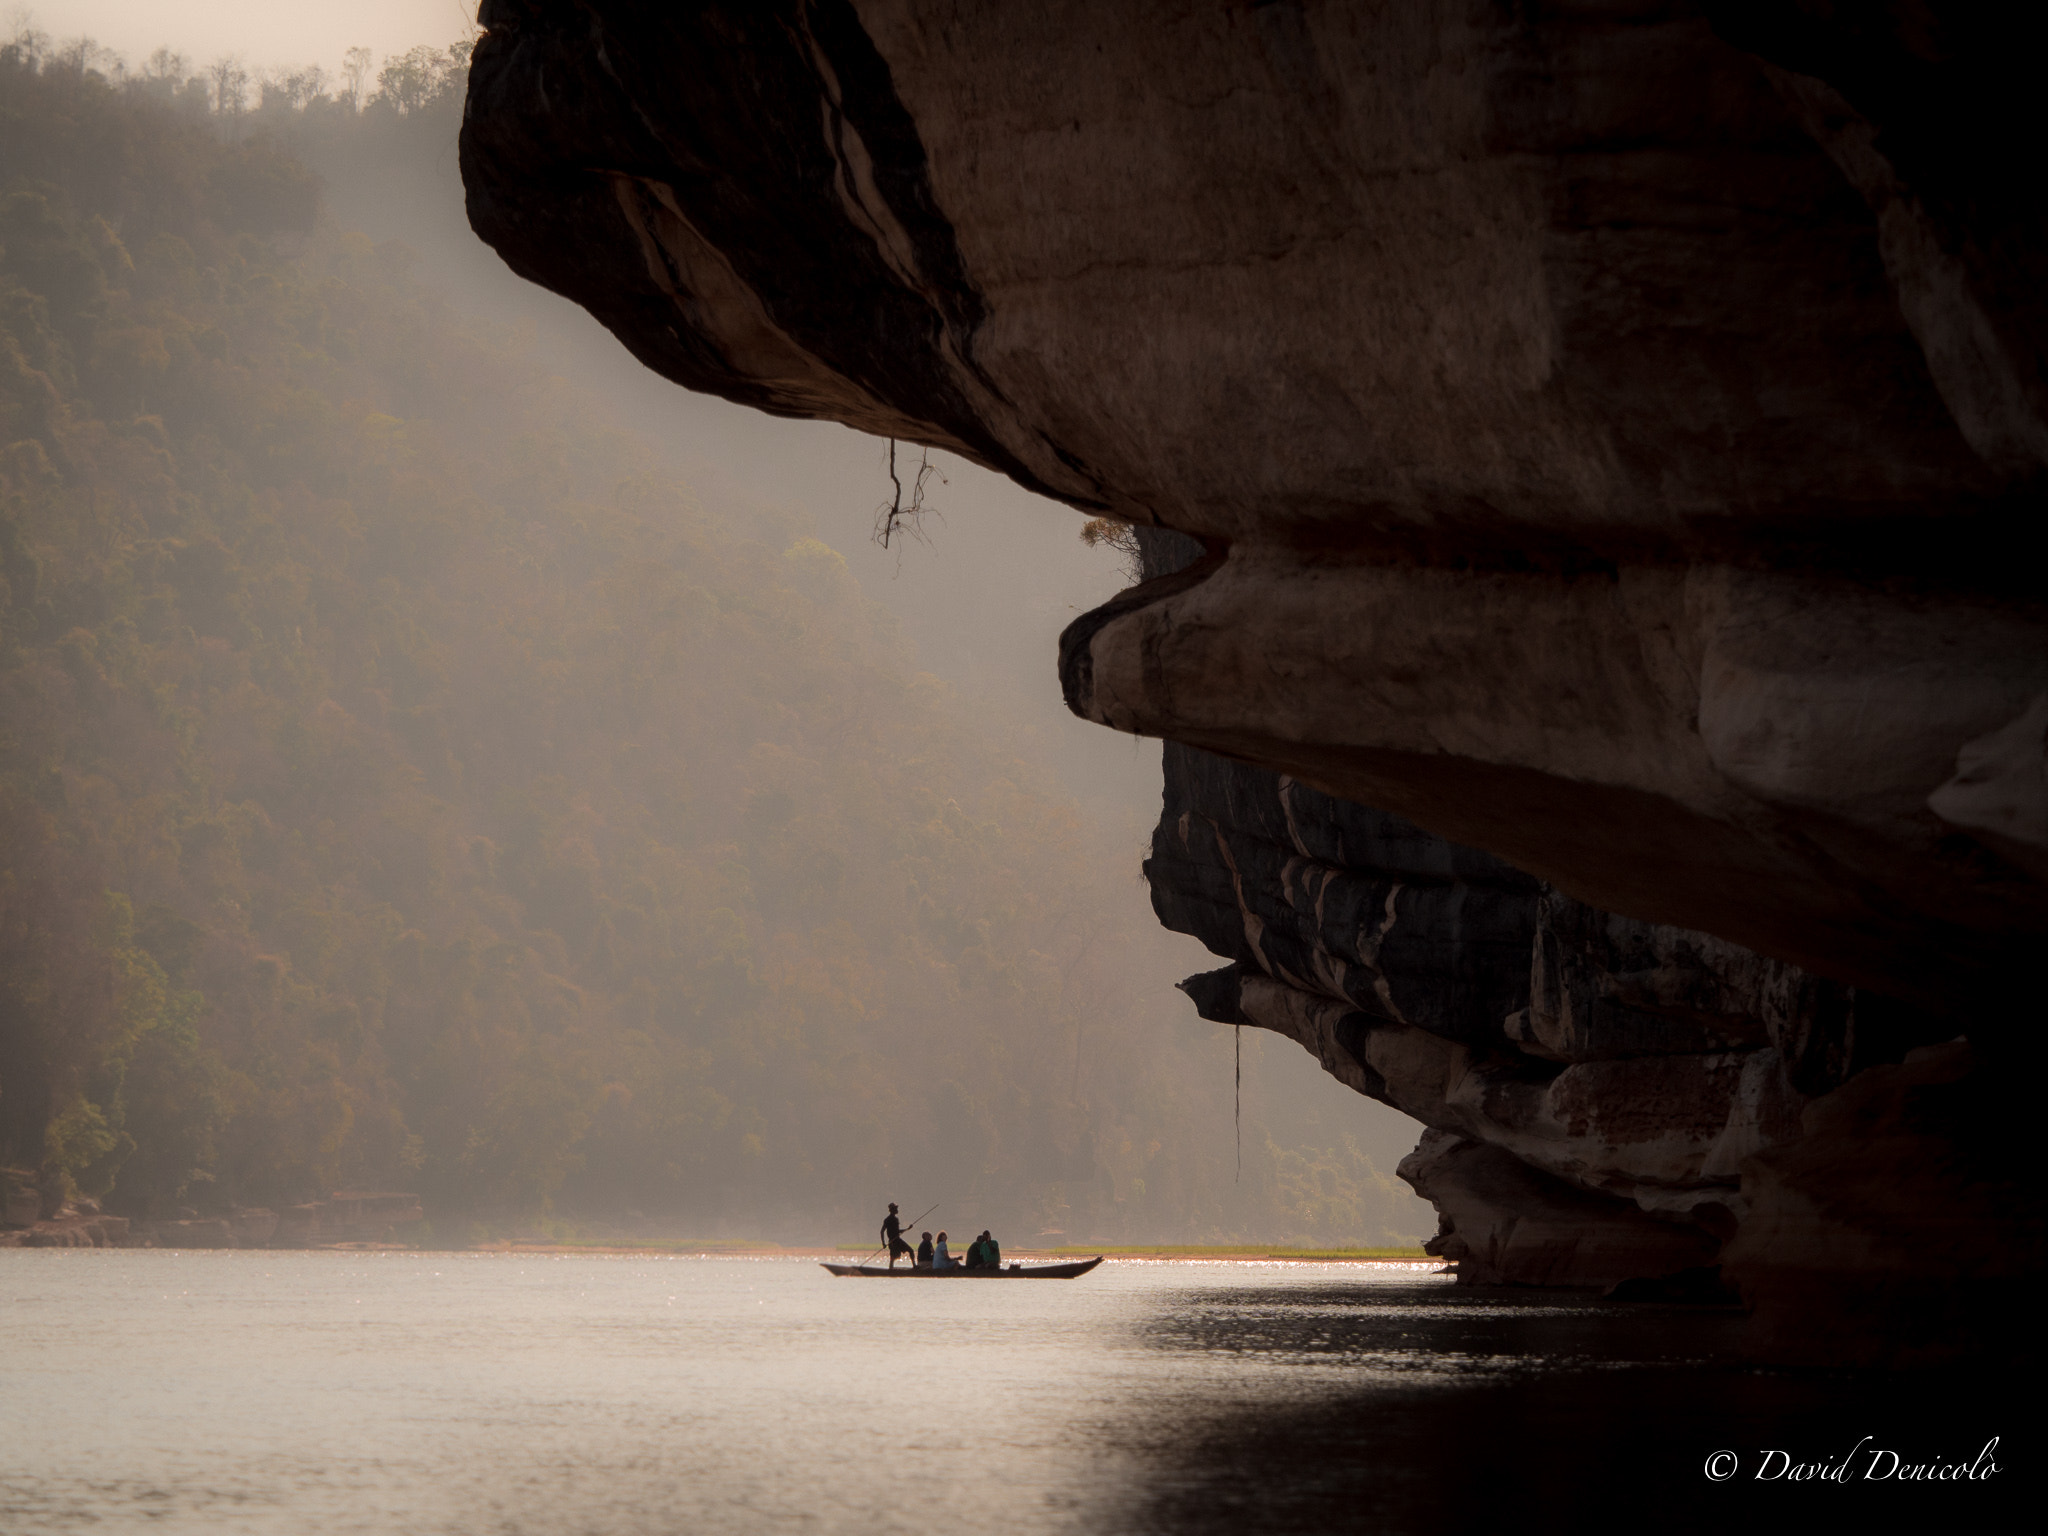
(1429,1411)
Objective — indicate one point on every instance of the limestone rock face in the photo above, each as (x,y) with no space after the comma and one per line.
(1504,1224)
(1609,426)
(1610,1102)
(1619,1064)
(1601,438)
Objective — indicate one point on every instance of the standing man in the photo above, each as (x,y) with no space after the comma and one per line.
(892,1235)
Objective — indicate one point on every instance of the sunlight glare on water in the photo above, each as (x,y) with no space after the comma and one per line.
(547,1395)
(375,1392)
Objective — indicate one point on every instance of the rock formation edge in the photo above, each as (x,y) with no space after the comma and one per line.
(1604,434)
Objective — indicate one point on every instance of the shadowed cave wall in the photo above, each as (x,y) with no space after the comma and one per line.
(1607,436)
(1606,1100)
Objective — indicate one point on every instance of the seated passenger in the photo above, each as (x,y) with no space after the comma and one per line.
(992,1251)
(977,1254)
(941,1259)
(924,1252)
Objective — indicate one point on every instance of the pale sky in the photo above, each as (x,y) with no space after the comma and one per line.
(262,32)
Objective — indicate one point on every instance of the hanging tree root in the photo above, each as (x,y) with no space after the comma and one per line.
(900,516)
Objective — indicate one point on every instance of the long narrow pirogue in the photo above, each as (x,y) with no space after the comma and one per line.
(1014,1272)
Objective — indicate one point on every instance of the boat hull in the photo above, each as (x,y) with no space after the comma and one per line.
(1031,1272)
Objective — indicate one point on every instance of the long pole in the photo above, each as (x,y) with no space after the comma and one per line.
(920,1216)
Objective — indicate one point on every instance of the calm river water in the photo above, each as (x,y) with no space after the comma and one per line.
(418,1393)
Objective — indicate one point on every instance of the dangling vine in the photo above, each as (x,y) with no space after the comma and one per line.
(901,516)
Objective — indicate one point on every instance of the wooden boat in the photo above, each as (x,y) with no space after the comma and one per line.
(1011,1272)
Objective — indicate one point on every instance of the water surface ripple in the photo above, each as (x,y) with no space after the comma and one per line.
(552,1396)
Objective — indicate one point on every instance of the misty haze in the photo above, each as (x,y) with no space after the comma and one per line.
(444,757)
(1338,678)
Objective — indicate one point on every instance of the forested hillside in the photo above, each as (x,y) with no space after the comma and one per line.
(405,782)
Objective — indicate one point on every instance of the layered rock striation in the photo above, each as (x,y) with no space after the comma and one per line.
(1593,1086)
(1609,434)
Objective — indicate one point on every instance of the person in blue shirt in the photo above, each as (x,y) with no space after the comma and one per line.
(941,1259)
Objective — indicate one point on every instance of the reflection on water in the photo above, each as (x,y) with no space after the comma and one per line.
(1412,1408)
(518,1394)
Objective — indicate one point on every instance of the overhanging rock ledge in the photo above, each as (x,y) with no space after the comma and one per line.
(1610,436)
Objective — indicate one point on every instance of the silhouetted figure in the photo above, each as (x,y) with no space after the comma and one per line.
(892,1234)
(924,1252)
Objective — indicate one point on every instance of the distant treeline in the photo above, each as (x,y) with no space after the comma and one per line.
(239,98)
(404,784)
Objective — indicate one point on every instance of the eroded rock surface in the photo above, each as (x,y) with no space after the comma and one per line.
(1610,425)
(1616,1063)
(1610,1102)
(1607,434)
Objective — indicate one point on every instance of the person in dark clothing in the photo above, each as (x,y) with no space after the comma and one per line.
(991,1251)
(892,1234)
(977,1253)
(924,1252)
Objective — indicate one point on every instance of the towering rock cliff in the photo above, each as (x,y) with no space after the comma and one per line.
(1607,433)
(1608,1101)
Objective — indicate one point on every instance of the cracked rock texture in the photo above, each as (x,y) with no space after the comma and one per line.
(1580,1072)
(1609,433)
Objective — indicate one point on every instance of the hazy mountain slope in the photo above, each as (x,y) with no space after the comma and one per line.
(406,780)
